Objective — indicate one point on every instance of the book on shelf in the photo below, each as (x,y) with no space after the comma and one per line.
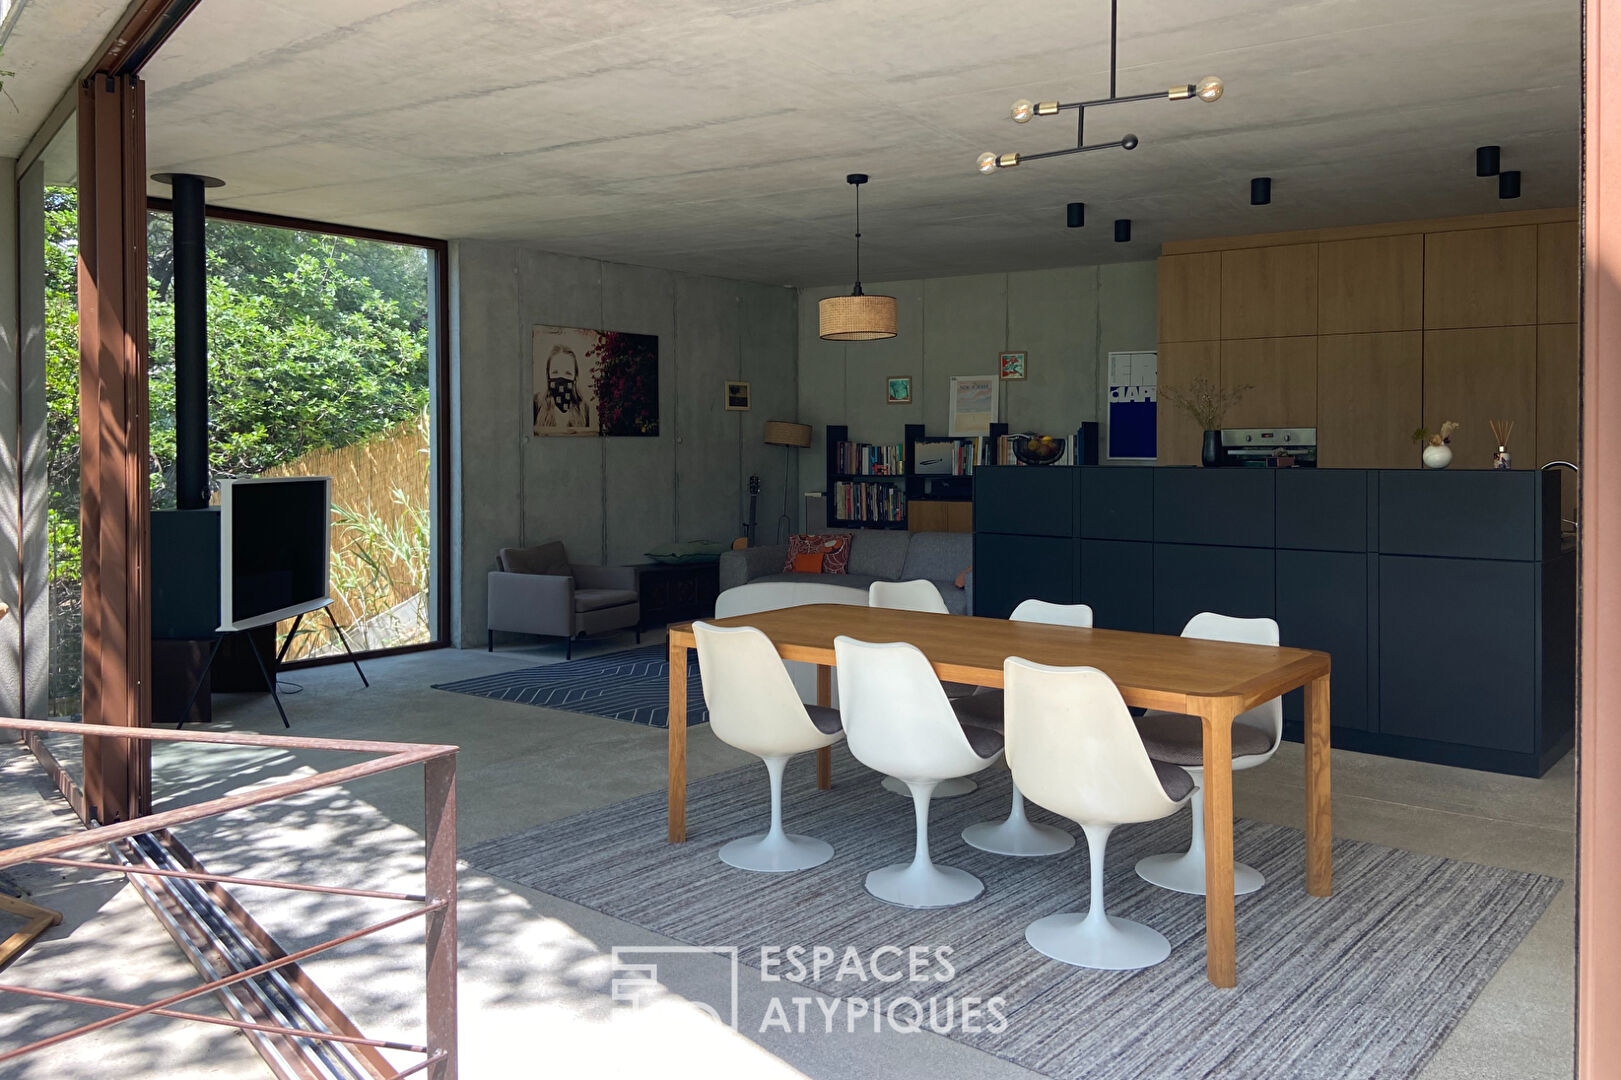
(869,459)
(868,503)
(951,457)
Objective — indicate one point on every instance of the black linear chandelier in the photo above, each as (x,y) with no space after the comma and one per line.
(1208,88)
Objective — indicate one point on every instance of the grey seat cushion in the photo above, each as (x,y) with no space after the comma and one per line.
(1179,739)
(983,741)
(827,720)
(548,557)
(983,709)
(597,599)
(938,556)
(1174,779)
(879,553)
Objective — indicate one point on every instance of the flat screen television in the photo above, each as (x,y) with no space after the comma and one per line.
(275,546)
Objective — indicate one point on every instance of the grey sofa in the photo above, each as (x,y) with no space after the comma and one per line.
(539,591)
(875,554)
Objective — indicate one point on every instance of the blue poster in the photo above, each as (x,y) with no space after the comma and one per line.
(1133,405)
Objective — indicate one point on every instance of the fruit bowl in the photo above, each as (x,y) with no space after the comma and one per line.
(1038,449)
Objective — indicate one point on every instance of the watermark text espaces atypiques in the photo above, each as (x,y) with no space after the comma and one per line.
(899,989)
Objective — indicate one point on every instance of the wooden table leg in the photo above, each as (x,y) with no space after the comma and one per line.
(1319,824)
(678,742)
(1221,963)
(824,698)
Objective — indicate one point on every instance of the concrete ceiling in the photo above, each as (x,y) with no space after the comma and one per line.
(46,42)
(713,136)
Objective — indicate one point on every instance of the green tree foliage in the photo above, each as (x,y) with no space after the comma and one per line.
(315,342)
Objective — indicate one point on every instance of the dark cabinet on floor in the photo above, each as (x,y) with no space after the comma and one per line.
(1446,599)
(1021,567)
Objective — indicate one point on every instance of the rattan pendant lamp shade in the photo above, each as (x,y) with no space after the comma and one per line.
(857,317)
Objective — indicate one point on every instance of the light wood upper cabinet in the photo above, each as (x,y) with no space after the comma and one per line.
(1558,270)
(1282,374)
(1558,407)
(1476,376)
(1179,364)
(1190,297)
(1370,390)
(1480,277)
(1269,291)
(1558,396)
(1370,285)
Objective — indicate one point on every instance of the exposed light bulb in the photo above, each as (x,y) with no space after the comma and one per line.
(987,162)
(1023,111)
(1129,142)
(1210,88)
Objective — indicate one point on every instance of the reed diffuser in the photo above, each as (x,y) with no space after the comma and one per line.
(1501,430)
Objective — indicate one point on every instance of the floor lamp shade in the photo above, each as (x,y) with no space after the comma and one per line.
(857,318)
(784,433)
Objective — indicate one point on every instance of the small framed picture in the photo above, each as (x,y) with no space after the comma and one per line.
(899,389)
(737,397)
(1011,365)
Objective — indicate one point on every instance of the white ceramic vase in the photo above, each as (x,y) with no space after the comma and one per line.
(1437,457)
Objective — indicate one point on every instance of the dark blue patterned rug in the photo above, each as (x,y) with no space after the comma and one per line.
(633,686)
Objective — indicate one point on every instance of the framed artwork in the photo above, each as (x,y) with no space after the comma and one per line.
(1011,365)
(737,397)
(595,382)
(973,404)
(899,389)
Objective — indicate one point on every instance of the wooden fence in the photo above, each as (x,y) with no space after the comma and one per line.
(380,555)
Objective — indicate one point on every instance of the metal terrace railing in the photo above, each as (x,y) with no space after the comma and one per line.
(436,906)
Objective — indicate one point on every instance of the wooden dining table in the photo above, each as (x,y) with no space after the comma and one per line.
(1213,680)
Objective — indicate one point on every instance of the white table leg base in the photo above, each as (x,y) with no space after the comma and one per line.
(1184,873)
(776,854)
(1102,942)
(925,885)
(945,789)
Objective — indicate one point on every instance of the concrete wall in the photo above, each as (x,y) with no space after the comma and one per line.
(609,500)
(1068,320)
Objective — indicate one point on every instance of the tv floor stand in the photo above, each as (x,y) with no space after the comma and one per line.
(270,681)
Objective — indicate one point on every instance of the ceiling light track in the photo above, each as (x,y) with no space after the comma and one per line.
(1208,89)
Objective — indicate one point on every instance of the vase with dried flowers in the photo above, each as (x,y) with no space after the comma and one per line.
(1437,444)
(1207,403)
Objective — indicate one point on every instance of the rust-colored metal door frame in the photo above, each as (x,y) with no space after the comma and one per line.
(1598,862)
(115,540)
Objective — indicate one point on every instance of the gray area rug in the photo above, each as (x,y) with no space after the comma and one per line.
(1366,983)
(633,686)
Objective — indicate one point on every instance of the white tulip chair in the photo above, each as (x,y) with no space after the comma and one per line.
(1179,740)
(920,595)
(1074,750)
(1018,835)
(753,706)
(898,721)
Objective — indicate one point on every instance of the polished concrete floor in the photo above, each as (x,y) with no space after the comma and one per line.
(536,970)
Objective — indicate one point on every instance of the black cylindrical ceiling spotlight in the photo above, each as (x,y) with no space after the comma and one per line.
(1488,159)
(1122,230)
(1075,214)
(1508,184)
(1261,191)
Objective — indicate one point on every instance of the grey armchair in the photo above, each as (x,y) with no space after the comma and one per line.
(538,591)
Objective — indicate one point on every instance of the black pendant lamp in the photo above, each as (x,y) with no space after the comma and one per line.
(857,317)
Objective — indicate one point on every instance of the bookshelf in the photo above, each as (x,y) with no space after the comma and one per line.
(871,485)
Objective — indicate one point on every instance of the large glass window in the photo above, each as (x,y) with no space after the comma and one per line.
(319,364)
(61,363)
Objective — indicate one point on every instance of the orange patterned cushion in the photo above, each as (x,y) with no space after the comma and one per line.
(834,548)
(808,562)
